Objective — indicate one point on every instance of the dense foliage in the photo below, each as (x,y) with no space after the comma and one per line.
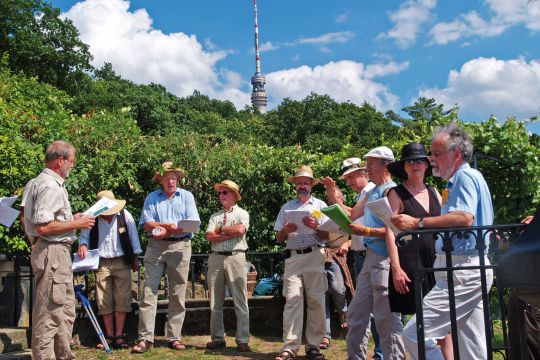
(122,132)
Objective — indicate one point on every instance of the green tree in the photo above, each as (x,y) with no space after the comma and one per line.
(41,44)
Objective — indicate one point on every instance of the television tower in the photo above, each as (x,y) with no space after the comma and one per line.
(258,95)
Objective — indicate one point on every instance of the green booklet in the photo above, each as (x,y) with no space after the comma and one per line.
(337,215)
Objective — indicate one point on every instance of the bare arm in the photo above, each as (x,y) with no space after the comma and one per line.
(399,277)
(358,209)
(452,219)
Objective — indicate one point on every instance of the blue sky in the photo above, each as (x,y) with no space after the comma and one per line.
(483,56)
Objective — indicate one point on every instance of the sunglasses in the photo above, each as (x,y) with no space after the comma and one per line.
(416,161)
(224,192)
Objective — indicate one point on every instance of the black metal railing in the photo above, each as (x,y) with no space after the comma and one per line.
(494,236)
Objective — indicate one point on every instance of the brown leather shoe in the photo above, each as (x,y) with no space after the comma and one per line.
(216,344)
(243,347)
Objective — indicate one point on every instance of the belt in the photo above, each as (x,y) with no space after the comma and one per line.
(288,252)
(228,253)
(183,238)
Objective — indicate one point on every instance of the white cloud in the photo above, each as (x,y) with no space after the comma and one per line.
(343,18)
(506,13)
(268,46)
(334,37)
(408,20)
(486,86)
(342,80)
(145,55)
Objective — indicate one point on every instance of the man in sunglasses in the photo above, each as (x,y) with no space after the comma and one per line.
(227,265)
(467,203)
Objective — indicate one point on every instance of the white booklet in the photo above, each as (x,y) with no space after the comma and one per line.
(297,217)
(190,226)
(7,213)
(102,205)
(90,262)
(382,209)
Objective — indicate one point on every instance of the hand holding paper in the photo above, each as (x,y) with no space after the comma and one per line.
(90,262)
(296,217)
(7,213)
(101,206)
(382,209)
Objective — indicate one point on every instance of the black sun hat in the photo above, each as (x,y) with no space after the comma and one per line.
(410,151)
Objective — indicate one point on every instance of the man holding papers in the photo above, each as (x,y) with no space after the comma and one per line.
(50,223)
(115,236)
(169,250)
(466,202)
(304,268)
(227,265)
(371,295)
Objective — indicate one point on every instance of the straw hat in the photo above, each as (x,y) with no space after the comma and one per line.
(165,168)
(231,185)
(109,195)
(409,152)
(305,171)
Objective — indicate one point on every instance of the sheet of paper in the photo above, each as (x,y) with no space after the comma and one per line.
(8,215)
(190,226)
(382,209)
(8,201)
(101,206)
(357,241)
(90,262)
(296,217)
(331,227)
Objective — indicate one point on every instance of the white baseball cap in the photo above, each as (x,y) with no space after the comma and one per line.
(350,165)
(381,152)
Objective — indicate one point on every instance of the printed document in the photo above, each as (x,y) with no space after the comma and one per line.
(190,226)
(382,209)
(7,213)
(90,262)
(297,217)
(102,205)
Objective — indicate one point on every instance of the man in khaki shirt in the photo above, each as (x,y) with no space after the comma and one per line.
(49,221)
(227,264)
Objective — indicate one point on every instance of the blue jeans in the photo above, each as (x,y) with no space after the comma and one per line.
(337,291)
(358,264)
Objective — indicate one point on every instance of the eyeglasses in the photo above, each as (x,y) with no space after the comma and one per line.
(415,161)
(224,192)
(436,155)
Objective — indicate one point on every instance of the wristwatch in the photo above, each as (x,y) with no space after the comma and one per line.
(421,223)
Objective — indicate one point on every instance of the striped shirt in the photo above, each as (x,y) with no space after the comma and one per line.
(300,241)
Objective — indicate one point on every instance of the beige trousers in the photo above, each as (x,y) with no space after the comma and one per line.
(229,270)
(54,308)
(113,286)
(304,274)
(170,258)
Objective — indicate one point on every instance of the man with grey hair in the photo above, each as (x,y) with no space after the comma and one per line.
(468,204)
(49,221)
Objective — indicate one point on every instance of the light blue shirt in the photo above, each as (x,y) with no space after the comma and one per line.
(373,221)
(159,208)
(468,192)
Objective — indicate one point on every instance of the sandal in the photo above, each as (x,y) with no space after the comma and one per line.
(120,342)
(314,354)
(109,340)
(285,355)
(141,347)
(176,345)
(325,343)
(216,344)
(243,347)
(343,320)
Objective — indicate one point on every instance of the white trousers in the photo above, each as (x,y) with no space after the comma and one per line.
(469,312)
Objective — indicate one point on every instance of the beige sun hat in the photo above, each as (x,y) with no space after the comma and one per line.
(109,195)
(350,165)
(168,167)
(229,184)
(303,170)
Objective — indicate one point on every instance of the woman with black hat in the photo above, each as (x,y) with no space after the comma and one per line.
(413,197)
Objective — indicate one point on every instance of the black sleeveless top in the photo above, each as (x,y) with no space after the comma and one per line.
(405,304)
